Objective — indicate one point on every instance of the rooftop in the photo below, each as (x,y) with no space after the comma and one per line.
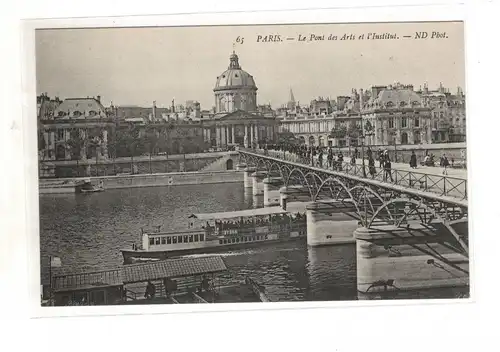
(141,272)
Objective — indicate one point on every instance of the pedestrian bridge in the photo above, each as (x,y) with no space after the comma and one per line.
(411,196)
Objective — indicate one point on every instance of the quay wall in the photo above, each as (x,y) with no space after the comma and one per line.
(164,179)
(136,165)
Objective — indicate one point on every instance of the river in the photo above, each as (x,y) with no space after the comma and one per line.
(88,231)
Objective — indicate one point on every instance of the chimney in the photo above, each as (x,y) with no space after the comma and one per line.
(426,88)
(154,110)
(98,98)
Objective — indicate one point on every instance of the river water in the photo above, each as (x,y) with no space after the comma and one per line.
(88,231)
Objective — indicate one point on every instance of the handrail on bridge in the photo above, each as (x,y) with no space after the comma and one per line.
(454,188)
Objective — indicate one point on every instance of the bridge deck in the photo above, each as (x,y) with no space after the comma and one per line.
(424,182)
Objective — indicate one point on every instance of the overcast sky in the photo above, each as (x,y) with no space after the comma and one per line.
(134,66)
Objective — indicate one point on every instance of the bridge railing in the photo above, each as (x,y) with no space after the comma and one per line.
(443,185)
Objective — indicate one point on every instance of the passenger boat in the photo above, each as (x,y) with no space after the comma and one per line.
(88,187)
(58,187)
(219,232)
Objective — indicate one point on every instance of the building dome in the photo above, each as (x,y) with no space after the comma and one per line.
(234,77)
(235,89)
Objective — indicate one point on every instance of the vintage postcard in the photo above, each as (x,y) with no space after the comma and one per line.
(309,162)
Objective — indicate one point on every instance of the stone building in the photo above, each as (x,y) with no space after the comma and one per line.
(64,124)
(237,120)
(395,114)
(448,113)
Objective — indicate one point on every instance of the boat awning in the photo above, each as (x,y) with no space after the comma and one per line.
(87,281)
(240,213)
(172,268)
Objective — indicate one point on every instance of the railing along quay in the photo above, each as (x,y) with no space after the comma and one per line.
(440,185)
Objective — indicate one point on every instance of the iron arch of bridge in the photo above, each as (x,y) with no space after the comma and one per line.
(305,173)
(364,189)
(421,205)
(343,187)
(302,178)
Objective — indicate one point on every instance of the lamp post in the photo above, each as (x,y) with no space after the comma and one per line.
(363,135)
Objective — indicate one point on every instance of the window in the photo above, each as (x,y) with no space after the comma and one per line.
(60,134)
(196,238)
(190,238)
(233,240)
(174,240)
(169,240)
(417,122)
(329,236)
(265,237)
(202,237)
(151,241)
(391,123)
(157,240)
(179,239)
(220,241)
(185,239)
(163,240)
(404,122)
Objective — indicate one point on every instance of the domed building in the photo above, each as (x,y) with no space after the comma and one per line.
(235,89)
(237,119)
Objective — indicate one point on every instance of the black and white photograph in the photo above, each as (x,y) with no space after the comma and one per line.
(252,163)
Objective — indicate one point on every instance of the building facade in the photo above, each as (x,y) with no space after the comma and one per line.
(448,113)
(395,114)
(73,129)
(382,115)
(237,119)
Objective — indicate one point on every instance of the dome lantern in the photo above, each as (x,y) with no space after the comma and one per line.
(233,62)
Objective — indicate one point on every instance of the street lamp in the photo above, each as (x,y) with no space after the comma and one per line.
(363,135)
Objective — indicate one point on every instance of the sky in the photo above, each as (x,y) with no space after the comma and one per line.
(136,66)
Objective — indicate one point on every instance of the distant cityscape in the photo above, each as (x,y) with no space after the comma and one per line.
(82,128)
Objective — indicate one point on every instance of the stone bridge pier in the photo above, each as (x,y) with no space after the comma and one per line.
(330,223)
(272,191)
(247,176)
(392,259)
(257,182)
(241,166)
(289,194)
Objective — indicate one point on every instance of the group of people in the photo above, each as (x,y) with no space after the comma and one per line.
(274,219)
(316,155)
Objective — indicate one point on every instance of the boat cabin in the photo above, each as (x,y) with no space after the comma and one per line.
(183,280)
(223,228)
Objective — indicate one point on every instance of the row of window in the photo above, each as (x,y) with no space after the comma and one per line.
(243,239)
(176,239)
(404,122)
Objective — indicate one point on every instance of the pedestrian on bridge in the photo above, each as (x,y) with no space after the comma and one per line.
(445,163)
(387,168)
(380,158)
(413,160)
(371,166)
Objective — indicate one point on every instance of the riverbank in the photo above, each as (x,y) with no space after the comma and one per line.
(161,179)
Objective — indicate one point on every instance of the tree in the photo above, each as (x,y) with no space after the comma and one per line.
(75,144)
(338,132)
(41,145)
(94,141)
(287,137)
(151,141)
